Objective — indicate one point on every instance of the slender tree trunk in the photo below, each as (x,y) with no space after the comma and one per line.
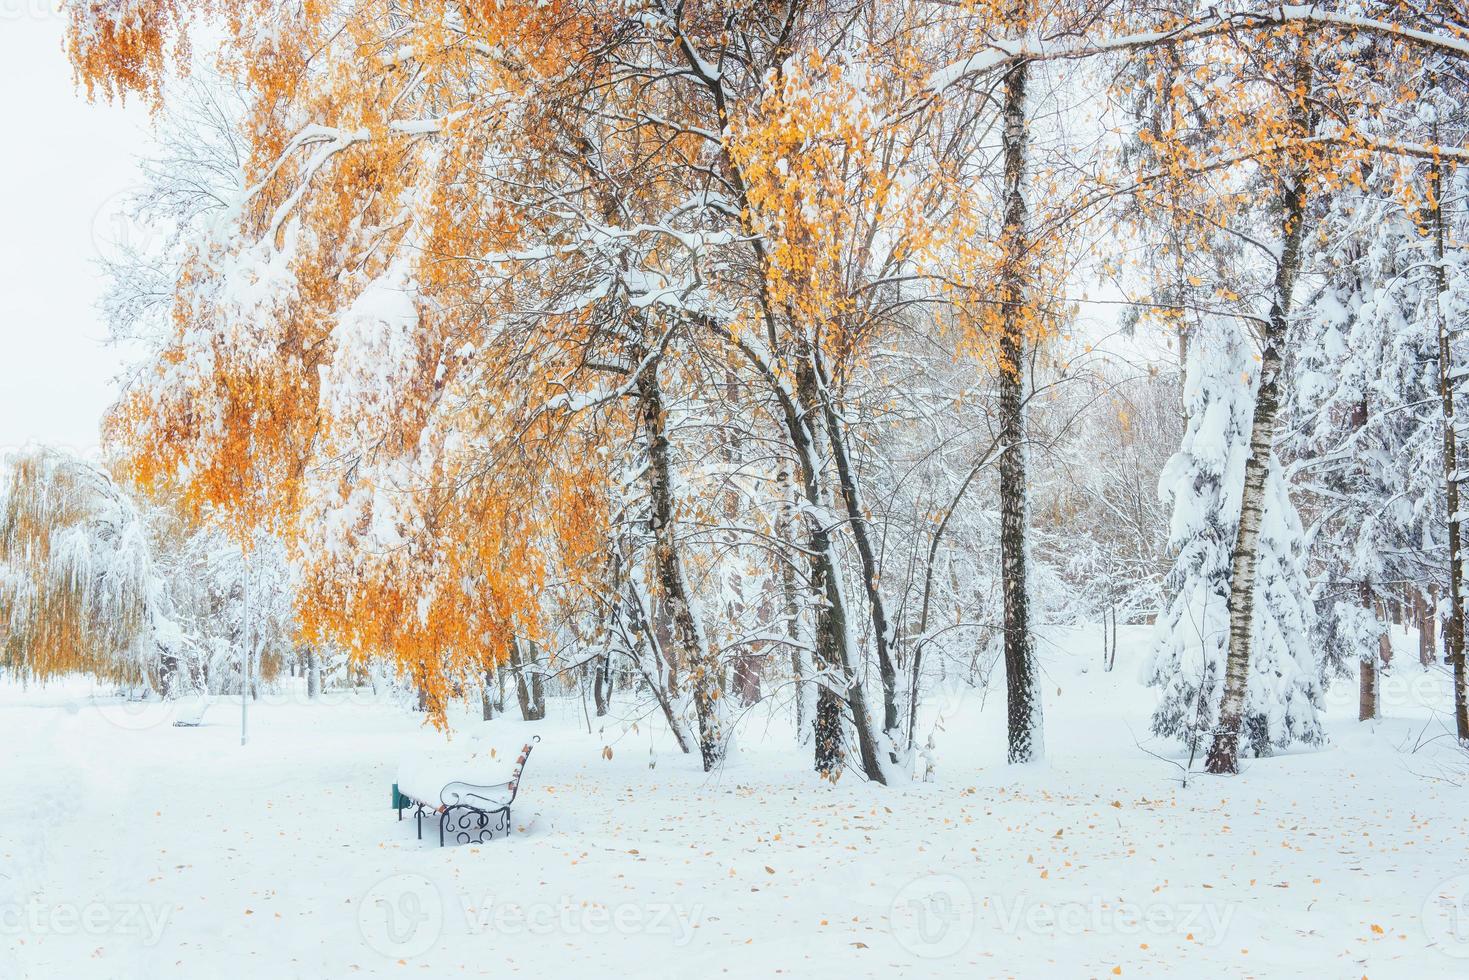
(1384,642)
(168,676)
(831,631)
(1367,706)
(836,660)
(833,644)
(602,687)
(862,537)
(1022,686)
(487,697)
(1112,654)
(1427,626)
(783,531)
(834,655)
(1367,701)
(1454,628)
(798,656)
(523,692)
(313,673)
(538,695)
(915,686)
(641,630)
(747,669)
(537,680)
(668,567)
(666,646)
(1223,754)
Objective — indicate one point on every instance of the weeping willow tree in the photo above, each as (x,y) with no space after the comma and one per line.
(79,592)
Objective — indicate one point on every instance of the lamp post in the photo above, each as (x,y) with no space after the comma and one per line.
(245,653)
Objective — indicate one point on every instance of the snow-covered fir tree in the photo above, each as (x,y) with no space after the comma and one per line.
(1364,420)
(1203,482)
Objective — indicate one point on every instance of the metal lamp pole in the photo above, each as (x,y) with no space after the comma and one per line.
(245,654)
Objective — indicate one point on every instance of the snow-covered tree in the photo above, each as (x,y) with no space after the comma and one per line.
(1105,528)
(1203,482)
(80,591)
(1364,416)
(96,580)
(206,570)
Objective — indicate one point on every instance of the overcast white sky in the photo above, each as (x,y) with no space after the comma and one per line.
(62,161)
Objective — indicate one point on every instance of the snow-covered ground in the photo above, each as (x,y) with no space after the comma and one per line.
(131,848)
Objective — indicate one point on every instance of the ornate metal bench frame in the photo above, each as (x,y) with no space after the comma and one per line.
(471,813)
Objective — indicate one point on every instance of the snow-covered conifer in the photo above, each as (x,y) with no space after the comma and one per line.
(1203,483)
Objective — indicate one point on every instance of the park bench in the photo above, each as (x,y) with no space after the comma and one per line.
(191,711)
(468,812)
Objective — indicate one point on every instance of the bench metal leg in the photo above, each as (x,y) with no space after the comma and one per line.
(473,825)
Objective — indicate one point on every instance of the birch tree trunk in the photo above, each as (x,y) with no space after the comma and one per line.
(1223,754)
(1022,687)
(792,615)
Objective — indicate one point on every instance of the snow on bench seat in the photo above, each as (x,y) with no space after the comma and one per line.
(423,776)
(470,791)
(190,712)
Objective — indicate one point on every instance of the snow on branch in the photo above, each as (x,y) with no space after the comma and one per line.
(997,54)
